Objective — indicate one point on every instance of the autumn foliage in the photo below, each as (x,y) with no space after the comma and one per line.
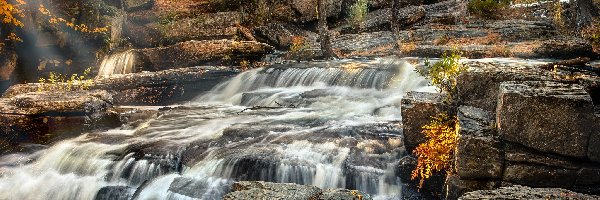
(437,153)
(11,14)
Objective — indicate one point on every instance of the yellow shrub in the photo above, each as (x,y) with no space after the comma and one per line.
(298,44)
(437,153)
(60,82)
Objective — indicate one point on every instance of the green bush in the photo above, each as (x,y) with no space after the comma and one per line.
(358,13)
(487,8)
(443,74)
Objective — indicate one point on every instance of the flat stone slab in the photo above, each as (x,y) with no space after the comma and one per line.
(267,190)
(547,116)
(526,193)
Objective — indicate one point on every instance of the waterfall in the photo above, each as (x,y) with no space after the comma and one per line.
(118,63)
(329,124)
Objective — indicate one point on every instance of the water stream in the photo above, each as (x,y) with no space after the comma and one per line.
(332,125)
(118,63)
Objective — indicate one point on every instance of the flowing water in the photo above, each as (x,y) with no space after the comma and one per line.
(332,125)
(118,63)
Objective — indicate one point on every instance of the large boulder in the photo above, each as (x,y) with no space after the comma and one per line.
(479,152)
(417,110)
(547,116)
(478,86)
(525,193)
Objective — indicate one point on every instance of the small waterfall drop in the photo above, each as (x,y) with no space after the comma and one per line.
(118,63)
(328,124)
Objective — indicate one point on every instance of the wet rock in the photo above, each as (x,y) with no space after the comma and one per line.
(523,193)
(547,116)
(405,167)
(197,53)
(266,190)
(200,188)
(417,110)
(150,88)
(57,102)
(44,117)
(478,152)
(115,193)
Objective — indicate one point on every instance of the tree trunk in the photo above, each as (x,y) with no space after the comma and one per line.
(583,12)
(395,8)
(326,50)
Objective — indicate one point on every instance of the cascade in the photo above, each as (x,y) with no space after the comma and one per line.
(339,133)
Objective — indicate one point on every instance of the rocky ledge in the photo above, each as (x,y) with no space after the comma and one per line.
(44,117)
(518,192)
(265,190)
(147,88)
(519,124)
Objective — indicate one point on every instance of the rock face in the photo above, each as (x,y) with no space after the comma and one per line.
(47,116)
(164,31)
(479,152)
(266,190)
(518,125)
(521,192)
(150,88)
(196,53)
(417,109)
(548,116)
(478,87)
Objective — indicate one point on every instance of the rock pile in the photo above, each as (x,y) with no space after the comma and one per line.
(518,125)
